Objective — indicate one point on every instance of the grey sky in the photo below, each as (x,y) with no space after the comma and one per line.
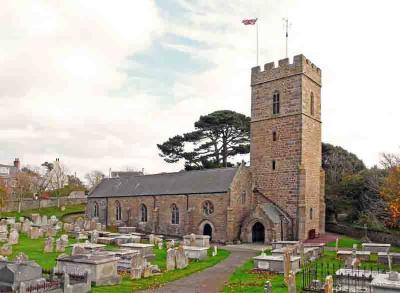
(99,83)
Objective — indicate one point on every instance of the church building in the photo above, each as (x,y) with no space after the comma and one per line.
(280,196)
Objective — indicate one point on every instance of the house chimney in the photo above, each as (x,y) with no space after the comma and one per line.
(17,163)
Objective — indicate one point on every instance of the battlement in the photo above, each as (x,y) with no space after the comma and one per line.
(300,65)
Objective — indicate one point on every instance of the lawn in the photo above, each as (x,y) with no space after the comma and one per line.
(33,248)
(345,242)
(127,285)
(46,211)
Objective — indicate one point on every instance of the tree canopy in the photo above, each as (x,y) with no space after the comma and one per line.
(217,137)
(338,162)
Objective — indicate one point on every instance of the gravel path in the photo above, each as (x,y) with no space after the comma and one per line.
(211,280)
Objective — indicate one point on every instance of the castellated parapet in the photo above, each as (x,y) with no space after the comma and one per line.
(300,65)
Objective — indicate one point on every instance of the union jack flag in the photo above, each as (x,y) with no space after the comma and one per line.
(249,21)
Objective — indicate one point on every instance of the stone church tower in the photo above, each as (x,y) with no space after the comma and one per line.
(286,143)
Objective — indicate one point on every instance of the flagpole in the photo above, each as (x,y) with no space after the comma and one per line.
(257,41)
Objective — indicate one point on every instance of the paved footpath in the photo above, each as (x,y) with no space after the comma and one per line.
(210,280)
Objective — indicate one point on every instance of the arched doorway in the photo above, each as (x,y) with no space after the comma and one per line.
(258,232)
(311,234)
(207,230)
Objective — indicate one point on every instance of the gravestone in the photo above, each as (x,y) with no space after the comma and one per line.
(147,272)
(36,219)
(14,237)
(78,249)
(67,227)
(287,268)
(137,264)
(98,227)
(160,245)
(215,250)
(301,252)
(34,233)
(3,233)
(394,276)
(86,225)
(291,282)
(94,235)
(6,249)
(21,257)
(44,220)
(170,244)
(53,220)
(171,263)
(267,287)
(48,245)
(26,226)
(328,288)
(181,258)
(17,226)
(337,244)
(10,220)
(93,224)
(64,238)
(60,245)
(151,238)
(50,231)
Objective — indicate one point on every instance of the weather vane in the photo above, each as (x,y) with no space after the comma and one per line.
(287,26)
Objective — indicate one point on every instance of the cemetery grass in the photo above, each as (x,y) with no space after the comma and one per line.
(46,211)
(347,242)
(127,285)
(33,248)
(245,280)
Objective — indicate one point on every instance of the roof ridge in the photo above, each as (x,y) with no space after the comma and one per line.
(183,172)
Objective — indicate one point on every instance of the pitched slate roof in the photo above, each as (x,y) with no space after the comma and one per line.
(186,182)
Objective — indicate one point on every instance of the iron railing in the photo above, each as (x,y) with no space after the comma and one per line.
(354,279)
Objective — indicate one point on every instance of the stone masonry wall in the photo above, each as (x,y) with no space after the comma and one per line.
(29,203)
(159,213)
(295,183)
(241,202)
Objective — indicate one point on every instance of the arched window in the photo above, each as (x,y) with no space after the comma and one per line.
(243,197)
(274,136)
(312,104)
(174,214)
(311,213)
(273,164)
(208,207)
(96,210)
(143,213)
(118,211)
(275,103)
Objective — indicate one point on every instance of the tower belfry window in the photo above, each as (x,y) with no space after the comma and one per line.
(274,136)
(276,103)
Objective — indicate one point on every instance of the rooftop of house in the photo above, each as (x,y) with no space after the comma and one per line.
(8,170)
(185,182)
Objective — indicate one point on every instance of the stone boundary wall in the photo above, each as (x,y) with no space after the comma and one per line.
(28,203)
(373,235)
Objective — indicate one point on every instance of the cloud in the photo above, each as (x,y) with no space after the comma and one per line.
(59,63)
(100,83)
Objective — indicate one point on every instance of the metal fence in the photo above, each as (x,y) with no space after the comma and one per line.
(355,279)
